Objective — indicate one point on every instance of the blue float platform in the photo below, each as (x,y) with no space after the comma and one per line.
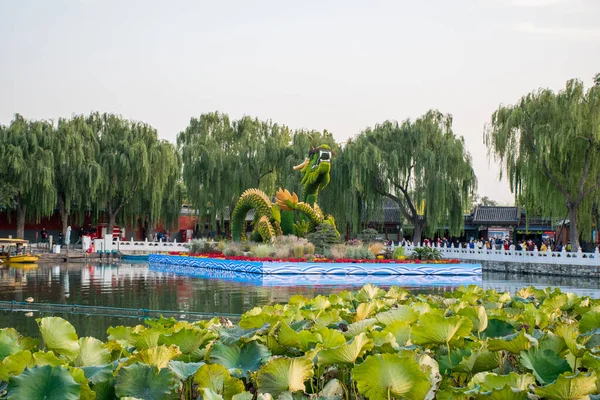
(315,268)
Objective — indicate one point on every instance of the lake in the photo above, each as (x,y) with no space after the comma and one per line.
(138,285)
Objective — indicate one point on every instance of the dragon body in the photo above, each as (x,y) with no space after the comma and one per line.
(268,216)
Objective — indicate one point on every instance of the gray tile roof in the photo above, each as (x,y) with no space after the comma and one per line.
(496,215)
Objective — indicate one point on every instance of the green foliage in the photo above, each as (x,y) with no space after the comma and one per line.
(373,344)
(369,235)
(549,149)
(398,253)
(323,237)
(426,254)
(197,246)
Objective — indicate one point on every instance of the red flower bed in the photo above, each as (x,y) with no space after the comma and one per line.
(316,259)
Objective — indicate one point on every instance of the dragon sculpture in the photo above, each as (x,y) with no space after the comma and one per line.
(268,216)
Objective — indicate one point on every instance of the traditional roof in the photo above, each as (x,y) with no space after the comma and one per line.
(496,215)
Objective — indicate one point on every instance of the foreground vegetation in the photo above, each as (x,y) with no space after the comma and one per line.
(376,344)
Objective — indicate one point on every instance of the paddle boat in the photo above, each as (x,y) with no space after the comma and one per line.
(15,251)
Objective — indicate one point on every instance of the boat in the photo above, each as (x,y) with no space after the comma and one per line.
(15,251)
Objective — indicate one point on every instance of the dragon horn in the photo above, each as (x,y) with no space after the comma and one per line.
(297,167)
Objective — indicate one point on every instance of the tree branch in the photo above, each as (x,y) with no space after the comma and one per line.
(586,169)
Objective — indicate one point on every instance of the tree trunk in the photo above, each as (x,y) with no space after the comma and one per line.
(418,232)
(21,209)
(573,229)
(111,223)
(64,217)
(149,229)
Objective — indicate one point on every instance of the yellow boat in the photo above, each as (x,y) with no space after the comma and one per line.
(14,251)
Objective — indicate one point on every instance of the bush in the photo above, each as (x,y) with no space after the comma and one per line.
(377,248)
(426,254)
(309,249)
(198,246)
(398,253)
(369,235)
(360,253)
(323,237)
(338,251)
(263,250)
(298,250)
(221,245)
(233,249)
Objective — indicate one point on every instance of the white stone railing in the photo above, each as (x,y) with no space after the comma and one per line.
(516,256)
(104,245)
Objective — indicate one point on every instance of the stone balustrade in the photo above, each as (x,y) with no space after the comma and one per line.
(138,246)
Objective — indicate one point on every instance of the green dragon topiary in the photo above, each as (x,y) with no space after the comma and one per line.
(267,216)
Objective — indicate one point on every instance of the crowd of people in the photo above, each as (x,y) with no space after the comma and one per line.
(495,243)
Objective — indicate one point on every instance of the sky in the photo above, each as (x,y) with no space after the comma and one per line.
(336,65)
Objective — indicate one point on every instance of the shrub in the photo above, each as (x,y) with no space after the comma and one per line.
(233,249)
(323,237)
(355,242)
(377,248)
(398,253)
(338,251)
(309,249)
(221,245)
(426,254)
(263,250)
(369,235)
(283,251)
(360,253)
(298,250)
(197,246)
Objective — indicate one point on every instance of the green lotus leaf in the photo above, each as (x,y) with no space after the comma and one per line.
(184,370)
(121,334)
(47,358)
(105,390)
(421,307)
(435,329)
(552,342)
(217,378)
(9,342)
(44,383)
(488,381)
(533,317)
(478,317)
(546,365)
(236,334)
(589,321)
(369,292)
(570,333)
(364,311)
(591,338)
(256,318)
(478,361)
(397,293)
(59,336)
(447,361)
(401,331)
(498,328)
(346,353)
(15,364)
(359,327)
(284,374)
(318,303)
(161,322)
(209,394)
(325,318)
(591,361)
(330,338)
(240,361)
(79,377)
(569,387)
(157,356)
(514,343)
(146,382)
(385,342)
(188,340)
(243,396)
(383,376)
(146,338)
(294,396)
(403,314)
(98,373)
(504,393)
(302,340)
(91,352)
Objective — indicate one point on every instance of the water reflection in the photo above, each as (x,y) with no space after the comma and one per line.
(138,286)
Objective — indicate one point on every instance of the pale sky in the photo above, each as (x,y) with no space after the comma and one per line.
(335,65)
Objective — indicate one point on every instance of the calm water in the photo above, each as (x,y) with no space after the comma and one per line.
(141,286)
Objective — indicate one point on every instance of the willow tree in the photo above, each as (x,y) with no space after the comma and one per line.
(222,158)
(130,157)
(549,146)
(77,174)
(27,163)
(421,166)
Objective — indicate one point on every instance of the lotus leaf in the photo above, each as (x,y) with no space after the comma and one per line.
(163,322)
(319,303)
(400,330)
(478,317)
(435,329)
(403,314)
(489,380)
(209,394)
(570,333)
(243,396)
(498,328)
(233,335)
(145,382)
(15,364)
(478,361)
(216,378)
(303,340)
(546,365)
(284,374)
(504,393)
(514,343)
(330,338)
(369,292)
(98,373)
(364,311)
(146,338)
(257,318)
(157,356)
(91,352)
(591,361)
(383,376)
(184,370)
(346,353)
(359,327)
(59,336)
(589,321)
(240,361)
(79,377)
(569,387)
(44,383)
(188,340)
(384,342)
(333,390)
(11,342)
(120,334)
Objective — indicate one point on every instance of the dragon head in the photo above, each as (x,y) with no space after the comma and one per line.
(316,168)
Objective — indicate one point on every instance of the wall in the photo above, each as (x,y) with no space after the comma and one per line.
(526,268)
